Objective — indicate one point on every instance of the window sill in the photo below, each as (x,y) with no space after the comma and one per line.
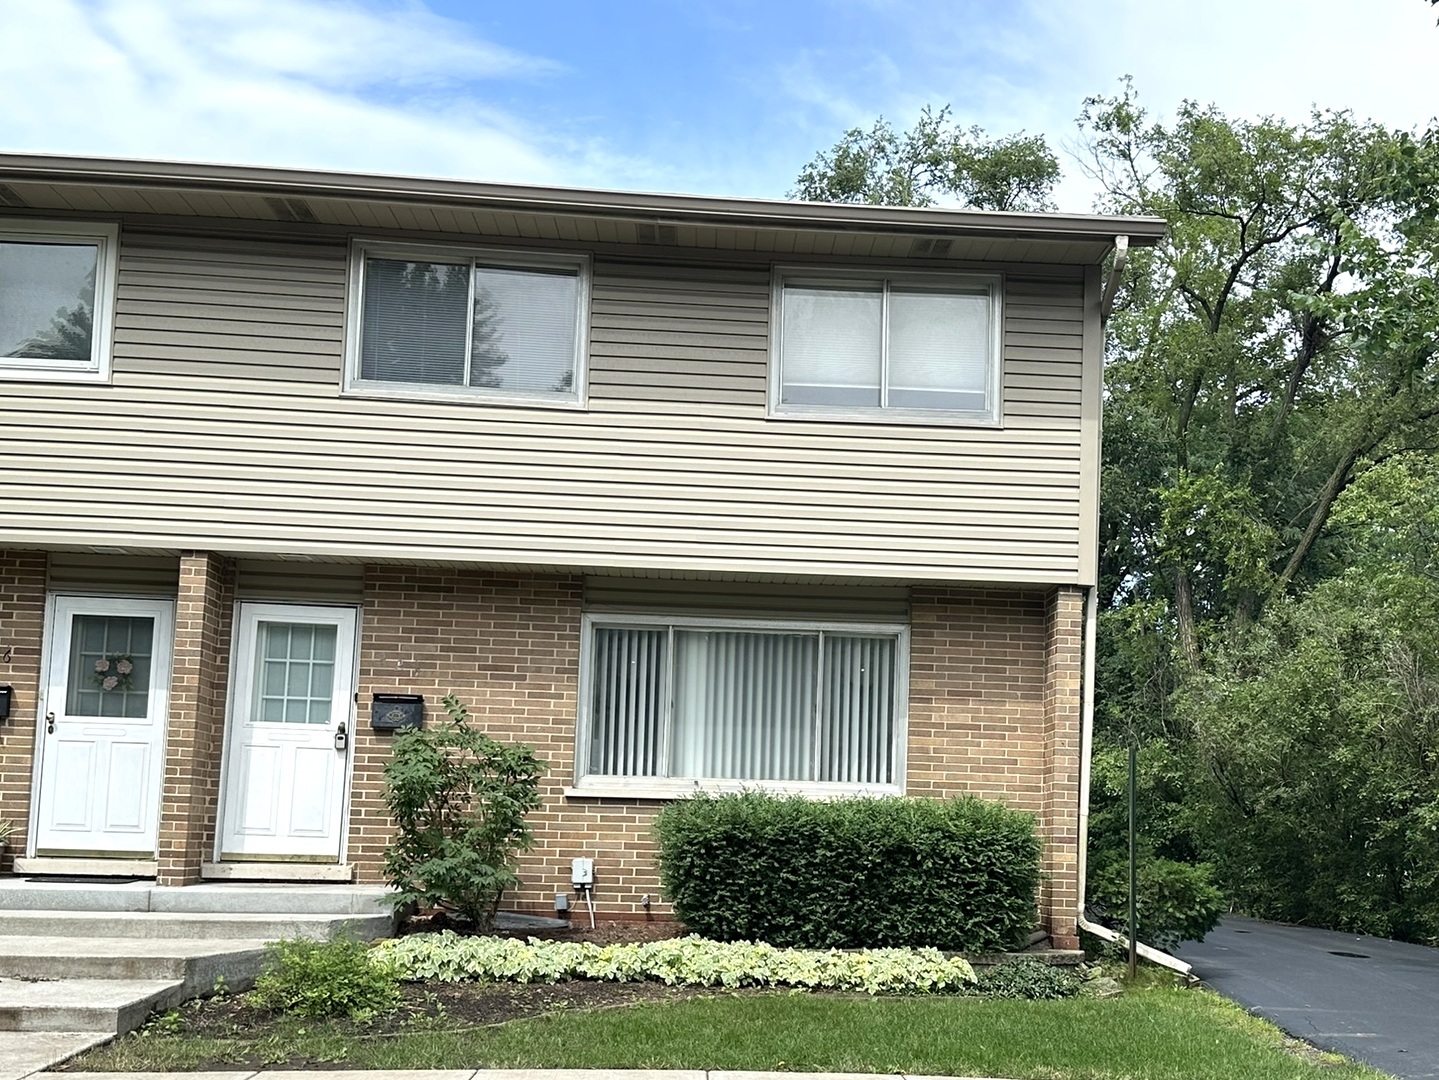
(660,789)
(16,373)
(893,416)
(457,396)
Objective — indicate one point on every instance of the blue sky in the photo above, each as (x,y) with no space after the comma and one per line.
(712,97)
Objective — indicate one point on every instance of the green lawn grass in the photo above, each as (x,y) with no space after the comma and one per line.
(1149,1034)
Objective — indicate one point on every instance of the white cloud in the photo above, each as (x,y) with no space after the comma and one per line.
(330,83)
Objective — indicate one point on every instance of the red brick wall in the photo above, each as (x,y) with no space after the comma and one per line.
(508,646)
(994,712)
(22,624)
(195,734)
(983,719)
(1059,818)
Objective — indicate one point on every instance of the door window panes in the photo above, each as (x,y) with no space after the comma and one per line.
(110,666)
(295,676)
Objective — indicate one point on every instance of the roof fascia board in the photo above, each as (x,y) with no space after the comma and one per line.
(705,210)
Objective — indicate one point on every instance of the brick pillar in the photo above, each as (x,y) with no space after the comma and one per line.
(196,726)
(22,626)
(1059,817)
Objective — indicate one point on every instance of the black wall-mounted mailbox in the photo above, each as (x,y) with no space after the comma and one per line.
(392,712)
(7,697)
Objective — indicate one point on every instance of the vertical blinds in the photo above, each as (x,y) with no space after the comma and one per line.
(743,705)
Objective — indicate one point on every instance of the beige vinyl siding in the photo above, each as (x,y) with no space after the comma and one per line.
(112,574)
(865,603)
(315,582)
(225,429)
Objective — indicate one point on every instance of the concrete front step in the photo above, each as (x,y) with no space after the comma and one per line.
(205,925)
(39,894)
(113,1006)
(197,963)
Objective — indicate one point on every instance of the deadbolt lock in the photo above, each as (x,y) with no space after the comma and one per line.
(49,723)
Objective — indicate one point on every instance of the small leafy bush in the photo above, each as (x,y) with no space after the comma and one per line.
(1027,978)
(958,874)
(321,979)
(459,800)
(689,961)
(1177,901)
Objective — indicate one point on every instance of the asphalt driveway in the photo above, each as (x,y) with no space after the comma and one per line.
(1371,998)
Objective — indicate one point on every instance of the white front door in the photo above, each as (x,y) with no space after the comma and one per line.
(102,727)
(288,731)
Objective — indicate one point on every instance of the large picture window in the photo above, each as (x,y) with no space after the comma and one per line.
(56,288)
(901,347)
(507,326)
(795,705)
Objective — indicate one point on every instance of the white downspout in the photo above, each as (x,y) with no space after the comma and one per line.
(1086,706)
(1086,746)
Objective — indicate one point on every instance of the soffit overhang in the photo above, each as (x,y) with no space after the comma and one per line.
(297,200)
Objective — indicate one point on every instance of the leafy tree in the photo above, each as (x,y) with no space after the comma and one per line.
(1252,375)
(1319,728)
(1275,350)
(933,160)
(70,333)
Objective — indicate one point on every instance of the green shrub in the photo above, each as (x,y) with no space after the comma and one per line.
(1027,978)
(324,979)
(690,961)
(459,800)
(956,874)
(1177,901)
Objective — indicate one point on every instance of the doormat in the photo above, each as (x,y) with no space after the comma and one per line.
(83,879)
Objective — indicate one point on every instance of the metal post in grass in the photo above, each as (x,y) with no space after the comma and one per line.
(1133,862)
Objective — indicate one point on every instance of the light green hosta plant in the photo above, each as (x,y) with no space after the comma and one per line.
(689,961)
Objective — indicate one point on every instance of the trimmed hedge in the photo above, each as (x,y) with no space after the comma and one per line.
(959,874)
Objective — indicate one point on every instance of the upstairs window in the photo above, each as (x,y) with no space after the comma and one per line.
(504,326)
(56,287)
(902,348)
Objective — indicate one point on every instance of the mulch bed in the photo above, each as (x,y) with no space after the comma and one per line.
(438,1006)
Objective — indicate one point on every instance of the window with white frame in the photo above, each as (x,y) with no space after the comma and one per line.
(795,705)
(507,326)
(887,347)
(56,288)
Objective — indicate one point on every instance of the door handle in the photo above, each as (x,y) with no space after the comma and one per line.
(342,737)
(49,723)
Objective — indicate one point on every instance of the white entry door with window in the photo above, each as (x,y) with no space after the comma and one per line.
(287,735)
(102,727)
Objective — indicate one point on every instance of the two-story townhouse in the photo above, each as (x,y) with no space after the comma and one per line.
(685,492)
